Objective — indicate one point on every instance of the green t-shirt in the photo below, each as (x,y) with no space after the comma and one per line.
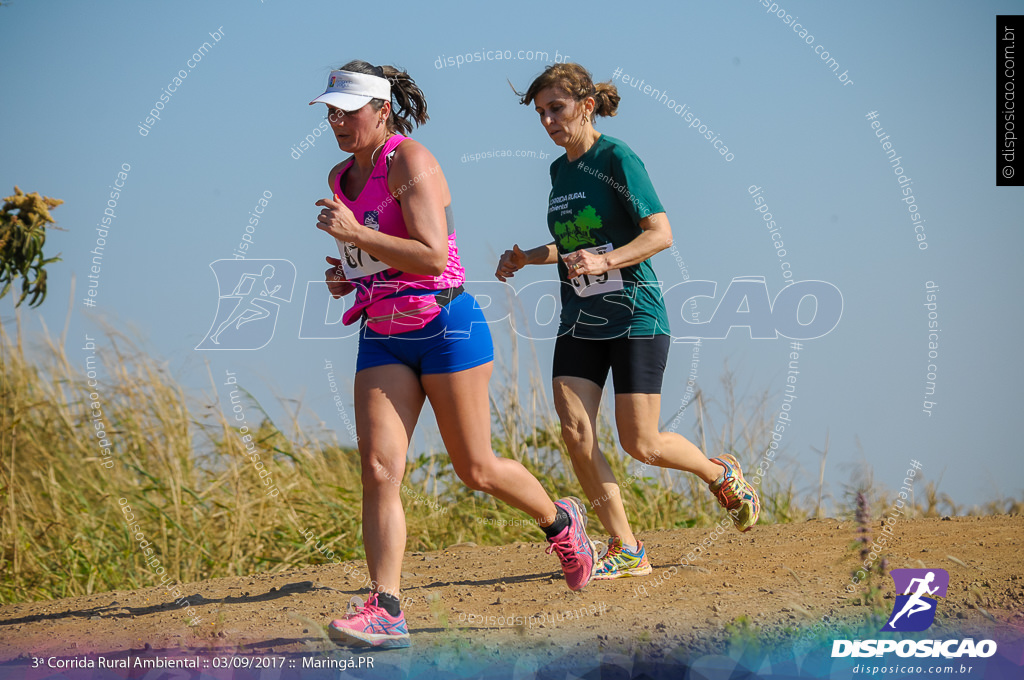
(597,200)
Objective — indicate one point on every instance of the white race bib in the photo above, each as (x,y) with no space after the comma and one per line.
(356,262)
(586,285)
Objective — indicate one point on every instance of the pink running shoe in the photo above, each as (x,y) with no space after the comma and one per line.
(370,626)
(573,546)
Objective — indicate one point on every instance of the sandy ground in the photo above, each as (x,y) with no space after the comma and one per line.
(473,604)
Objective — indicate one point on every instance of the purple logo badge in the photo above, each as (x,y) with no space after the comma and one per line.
(914,610)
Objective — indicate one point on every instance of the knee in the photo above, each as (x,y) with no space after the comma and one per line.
(644,449)
(478,477)
(575,421)
(577,436)
(378,473)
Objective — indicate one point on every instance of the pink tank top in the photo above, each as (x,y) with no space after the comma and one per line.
(389,298)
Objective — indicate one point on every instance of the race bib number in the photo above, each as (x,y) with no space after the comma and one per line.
(356,262)
(586,285)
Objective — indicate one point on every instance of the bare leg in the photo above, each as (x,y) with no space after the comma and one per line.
(463,415)
(388,400)
(636,417)
(577,401)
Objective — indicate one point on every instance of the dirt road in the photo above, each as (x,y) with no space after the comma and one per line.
(495,607)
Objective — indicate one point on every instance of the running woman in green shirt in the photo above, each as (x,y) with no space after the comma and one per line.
(607,222)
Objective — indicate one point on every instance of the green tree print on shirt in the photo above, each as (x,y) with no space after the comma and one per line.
(576,233)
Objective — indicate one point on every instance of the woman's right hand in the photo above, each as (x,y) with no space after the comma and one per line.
(336,281)
(510,262)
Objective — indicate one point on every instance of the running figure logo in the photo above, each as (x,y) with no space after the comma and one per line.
(913,610)
(247,316)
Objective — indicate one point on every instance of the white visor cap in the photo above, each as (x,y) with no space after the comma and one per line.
(350,91)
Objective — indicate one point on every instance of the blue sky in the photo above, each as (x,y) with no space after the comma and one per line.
(79,90)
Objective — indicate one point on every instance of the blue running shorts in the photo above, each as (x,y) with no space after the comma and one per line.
(456,340)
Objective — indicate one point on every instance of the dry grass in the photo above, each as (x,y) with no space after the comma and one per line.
(182,468)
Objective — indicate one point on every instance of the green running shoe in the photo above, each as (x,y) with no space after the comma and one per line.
(735,494)
(617,562)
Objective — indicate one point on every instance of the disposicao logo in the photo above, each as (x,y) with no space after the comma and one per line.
(912,612)
(251,293)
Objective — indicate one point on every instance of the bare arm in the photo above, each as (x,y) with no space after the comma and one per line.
(545,254)
(513,260)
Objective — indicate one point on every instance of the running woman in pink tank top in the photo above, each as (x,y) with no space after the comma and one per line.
(422,337)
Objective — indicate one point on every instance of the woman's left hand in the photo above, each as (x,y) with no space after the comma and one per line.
(337,220)
(583,262)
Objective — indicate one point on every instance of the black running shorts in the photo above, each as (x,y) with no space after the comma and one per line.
(637,364)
